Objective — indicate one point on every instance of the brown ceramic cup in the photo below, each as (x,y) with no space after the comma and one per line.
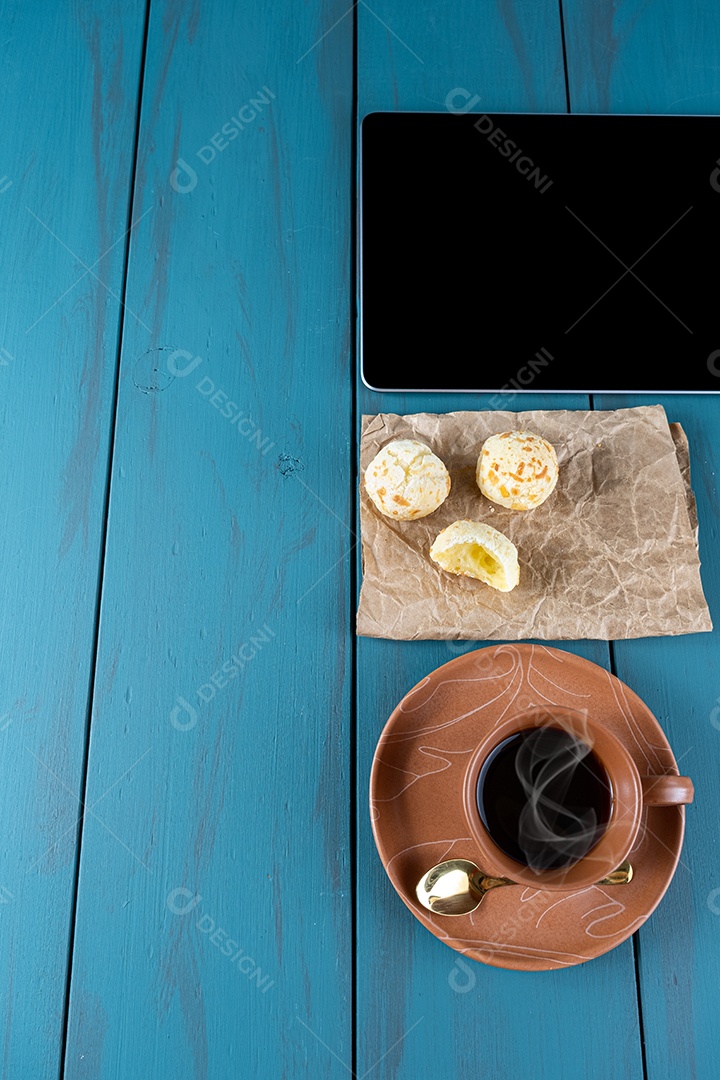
(630,793)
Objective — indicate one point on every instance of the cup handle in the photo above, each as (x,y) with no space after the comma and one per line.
(669,790)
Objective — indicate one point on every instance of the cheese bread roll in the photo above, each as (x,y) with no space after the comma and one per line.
(476,550)
(517,469)
(406,480)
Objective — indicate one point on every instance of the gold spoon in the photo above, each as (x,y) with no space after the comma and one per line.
(457,887)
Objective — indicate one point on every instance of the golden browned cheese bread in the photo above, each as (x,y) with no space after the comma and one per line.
(406,480)
(517,469)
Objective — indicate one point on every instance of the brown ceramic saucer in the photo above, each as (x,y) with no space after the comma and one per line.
(416,805)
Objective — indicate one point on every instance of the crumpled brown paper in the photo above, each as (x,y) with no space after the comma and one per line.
(611,554)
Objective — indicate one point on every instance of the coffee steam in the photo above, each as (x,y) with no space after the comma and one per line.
(544,798)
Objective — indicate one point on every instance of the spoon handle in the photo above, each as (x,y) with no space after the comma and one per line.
(483,883)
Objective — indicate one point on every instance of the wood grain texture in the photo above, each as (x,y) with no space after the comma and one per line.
(679,678)
(416,1002)
(662,58)
(68,101)
(214,926)
(213,934)
(639,57)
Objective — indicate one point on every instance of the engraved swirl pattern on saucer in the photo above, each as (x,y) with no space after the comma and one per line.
(418,821)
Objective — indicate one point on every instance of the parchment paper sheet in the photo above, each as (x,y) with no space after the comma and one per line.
(611,554)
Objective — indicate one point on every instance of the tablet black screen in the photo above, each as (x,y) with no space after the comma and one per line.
(540,252)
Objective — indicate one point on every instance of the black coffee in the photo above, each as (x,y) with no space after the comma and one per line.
(544,798)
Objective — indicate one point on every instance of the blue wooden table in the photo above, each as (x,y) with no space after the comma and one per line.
(188,882)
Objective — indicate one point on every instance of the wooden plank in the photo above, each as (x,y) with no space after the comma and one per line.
(642,58)
(68,99)
(660,58)
(415,1002)
(679,678)
(213,931)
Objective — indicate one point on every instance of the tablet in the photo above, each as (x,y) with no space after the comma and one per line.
(545,252)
